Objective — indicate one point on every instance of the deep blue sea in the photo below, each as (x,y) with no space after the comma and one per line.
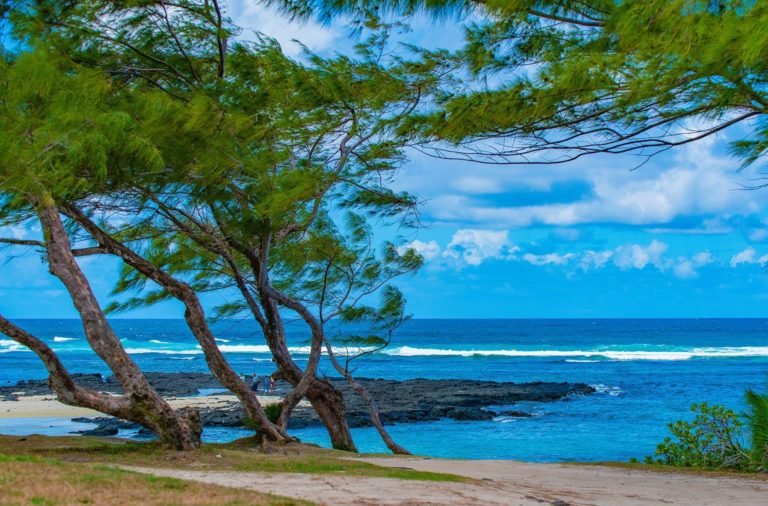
(647,372)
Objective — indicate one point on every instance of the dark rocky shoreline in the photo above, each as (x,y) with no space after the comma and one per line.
(409,401)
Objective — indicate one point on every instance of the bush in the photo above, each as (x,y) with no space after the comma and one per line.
(714,438)
(272,410)
(757,419)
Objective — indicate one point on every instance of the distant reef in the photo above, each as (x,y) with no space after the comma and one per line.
(409,401)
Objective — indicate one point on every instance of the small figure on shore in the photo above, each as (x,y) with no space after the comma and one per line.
(266,384)
(271,384)
(255,386)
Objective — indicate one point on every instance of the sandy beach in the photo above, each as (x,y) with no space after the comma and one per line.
(46,406)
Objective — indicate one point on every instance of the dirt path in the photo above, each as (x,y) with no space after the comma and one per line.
(499,483)
(582,485)
(355,490)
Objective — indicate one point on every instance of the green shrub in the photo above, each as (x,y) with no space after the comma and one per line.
(714,438)
(272,410)
(757,419)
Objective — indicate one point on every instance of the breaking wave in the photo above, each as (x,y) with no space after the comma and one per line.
(232,348)
(59,339)
(610,354)
(8,346)
(141,351)
(613,391)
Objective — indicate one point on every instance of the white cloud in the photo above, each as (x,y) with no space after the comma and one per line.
(256,17)
(686,268)
(548,259)
(635,256)
(594,259)
(428,250)
(702,258)
(693,181)
(758,234)
(748,256)
(471,184)
(473,246)
(712,226)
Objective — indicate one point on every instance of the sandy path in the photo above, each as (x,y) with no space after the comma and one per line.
(501,482)
(596,484)
(353,490)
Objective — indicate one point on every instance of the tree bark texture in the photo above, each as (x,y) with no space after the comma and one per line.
(180,430)
(196,321)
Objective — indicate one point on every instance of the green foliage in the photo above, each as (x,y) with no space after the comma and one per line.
(757,420)
(714,438)
(717,438)
(565,78)
(225,164)
(64,130)
(272,410)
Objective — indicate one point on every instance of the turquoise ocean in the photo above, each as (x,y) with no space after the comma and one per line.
(647,373)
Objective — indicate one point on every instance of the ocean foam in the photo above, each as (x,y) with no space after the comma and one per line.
(607,389)
(8,346)
(244,348)
(141,351)
(157,341)
(621,355)
(59,339)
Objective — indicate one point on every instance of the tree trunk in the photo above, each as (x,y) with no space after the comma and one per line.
(177,430)
(373,409)
(327,401)
(195,318)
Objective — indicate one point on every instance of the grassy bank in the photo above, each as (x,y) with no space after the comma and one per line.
(83,470)
(30,480)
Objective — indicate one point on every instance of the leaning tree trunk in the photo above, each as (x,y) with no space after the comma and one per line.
(195,318)
(61,382)
(327,400)
(179,430)
(373,409)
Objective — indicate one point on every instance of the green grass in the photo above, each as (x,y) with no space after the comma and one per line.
(333,465)
(241,455)
(661,468)
(33,480)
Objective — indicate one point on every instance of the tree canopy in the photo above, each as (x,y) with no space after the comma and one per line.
(556,80)
(213,165)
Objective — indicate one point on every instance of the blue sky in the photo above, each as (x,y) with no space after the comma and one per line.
(677,237)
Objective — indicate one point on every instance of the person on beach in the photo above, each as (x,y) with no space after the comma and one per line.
(271,384)
(255,386)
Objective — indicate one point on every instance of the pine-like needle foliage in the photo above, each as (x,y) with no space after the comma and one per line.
(557,80)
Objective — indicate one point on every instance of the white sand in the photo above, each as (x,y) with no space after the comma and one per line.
(46,406)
